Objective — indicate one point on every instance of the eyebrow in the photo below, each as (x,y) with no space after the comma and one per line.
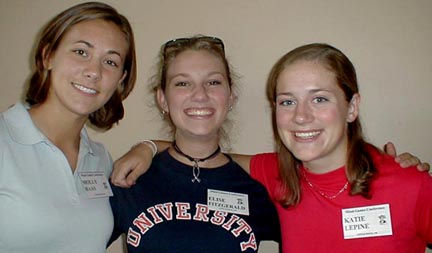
(216,72)
(208,74)
(312,91)
(90,45)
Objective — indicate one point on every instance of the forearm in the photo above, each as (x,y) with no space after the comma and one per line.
(162,145)
(136,162)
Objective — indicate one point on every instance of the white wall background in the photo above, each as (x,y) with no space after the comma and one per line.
(389,42)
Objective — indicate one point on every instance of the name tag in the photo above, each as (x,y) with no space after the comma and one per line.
(95,184)
(231,202)
(367,221)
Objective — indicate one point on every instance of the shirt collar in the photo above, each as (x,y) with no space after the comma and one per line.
(22,129)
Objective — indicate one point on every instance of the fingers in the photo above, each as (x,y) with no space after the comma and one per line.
(423,167)
(119,175)
(406,160)
(390,149)
(133,176)
(131,165)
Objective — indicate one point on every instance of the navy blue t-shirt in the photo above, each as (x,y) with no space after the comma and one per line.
(166,212)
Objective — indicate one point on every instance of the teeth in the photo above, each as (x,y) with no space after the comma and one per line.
(307,134)
(84,89)
(198,112)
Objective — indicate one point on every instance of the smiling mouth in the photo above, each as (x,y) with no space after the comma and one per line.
(84,89)
(306,135)
(198,112)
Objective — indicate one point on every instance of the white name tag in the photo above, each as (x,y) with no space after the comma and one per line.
(95,184)
(367,221)
(230,202)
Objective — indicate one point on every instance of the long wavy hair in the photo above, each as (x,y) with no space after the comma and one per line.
(359,167)
(50,38)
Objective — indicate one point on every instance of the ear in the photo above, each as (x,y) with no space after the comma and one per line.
(353,108)
(46,58)
(232,99)
(161,100)
(123,77)
(120,86)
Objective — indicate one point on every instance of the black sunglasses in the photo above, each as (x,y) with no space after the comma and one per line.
(184,41)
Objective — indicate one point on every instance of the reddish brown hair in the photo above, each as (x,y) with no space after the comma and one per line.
(359,167)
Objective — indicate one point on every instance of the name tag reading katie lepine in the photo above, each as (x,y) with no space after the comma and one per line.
(367,221)
(231,202)
(95,184)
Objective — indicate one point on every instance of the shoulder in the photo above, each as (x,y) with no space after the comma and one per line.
(3,127)
(16,127)
(265,168)
(387,165)
(13,119)
(264,162)
(265,158)
(389,169)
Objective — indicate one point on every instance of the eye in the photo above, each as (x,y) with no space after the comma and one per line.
(180,84)
(112,63)
(214,82)
(80,52)
(320,99)
(286,102)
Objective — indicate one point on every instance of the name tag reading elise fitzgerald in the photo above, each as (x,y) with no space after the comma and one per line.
(366,221)
(231,202)
(95,184)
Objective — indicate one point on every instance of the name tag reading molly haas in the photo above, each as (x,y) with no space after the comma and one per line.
(95,184)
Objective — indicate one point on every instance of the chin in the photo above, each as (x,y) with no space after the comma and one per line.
(304,156)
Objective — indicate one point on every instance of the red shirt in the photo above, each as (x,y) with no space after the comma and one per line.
(315,225)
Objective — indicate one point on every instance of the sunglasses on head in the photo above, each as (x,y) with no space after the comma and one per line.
(184,41)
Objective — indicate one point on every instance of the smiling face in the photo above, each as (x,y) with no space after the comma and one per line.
(312,115)
(86,68)
(197,94)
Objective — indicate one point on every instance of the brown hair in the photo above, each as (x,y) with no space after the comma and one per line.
(50,38)
(359,168)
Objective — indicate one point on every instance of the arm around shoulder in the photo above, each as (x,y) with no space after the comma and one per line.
(242,160)
(136,162)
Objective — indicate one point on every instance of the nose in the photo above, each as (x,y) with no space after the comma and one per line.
(303,113)
(92,71)
(200,92)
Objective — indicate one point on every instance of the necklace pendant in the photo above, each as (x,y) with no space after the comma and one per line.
(196,172)
(196,168)
(196,180)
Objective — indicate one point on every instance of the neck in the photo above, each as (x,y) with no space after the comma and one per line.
(56,127)
(196,159)
(207,154)
(197,147)
(322,168)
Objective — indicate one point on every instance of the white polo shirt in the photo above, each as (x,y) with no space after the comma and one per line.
(43,206)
